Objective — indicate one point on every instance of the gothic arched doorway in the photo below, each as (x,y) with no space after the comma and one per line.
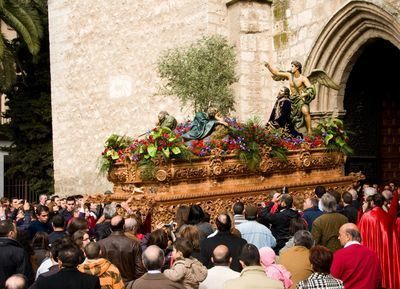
(372,105)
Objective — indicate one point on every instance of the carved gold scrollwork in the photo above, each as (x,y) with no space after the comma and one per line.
(305,159)
(118,175)
(216,162)
(161,175)
(266,165)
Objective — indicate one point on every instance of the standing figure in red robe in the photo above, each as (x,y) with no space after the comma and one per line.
(378,233)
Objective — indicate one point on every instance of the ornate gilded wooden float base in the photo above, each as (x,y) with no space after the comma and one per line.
(218,181)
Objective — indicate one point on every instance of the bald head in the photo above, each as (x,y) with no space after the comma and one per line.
(117,223)
(153,258)
(17,281)
(221,256)
(349,232)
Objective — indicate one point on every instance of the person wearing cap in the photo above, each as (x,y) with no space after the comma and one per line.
(254,232)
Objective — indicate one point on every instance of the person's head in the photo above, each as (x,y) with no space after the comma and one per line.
(353,193)
(42,213)
(369,191)
(162,115)
(347,198)
(297,224)
(42,199)
(77,224)
(387,194)
(117,224)
(109,211)
(238,208)
(249,256)
(56,247)
(92,250)
(16,281)
(267,256)
(378,200)
(70,204)
(286,201)
(40,241)
(81,238)
(192,234)
(196,215)
(250,213)
(321,259)
(296,66)
(319,191)
(223,222)
(69,256)
(328,203)
(8,229)
(336,195)
(310,203)
(131,225)
(221,256)
(159,238)
(15,203)
(63,203)
(349,232)
(58,222)
(212,111)
(5,202)
(181,248)
(56,199)
(284,92)
(153,258)
(182,215)
(303,238)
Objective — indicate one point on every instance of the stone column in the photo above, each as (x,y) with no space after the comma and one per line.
(249,30)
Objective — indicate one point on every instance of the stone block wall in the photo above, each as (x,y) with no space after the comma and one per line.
(103,65)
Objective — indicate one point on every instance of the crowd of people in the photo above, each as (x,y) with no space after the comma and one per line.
(332,240)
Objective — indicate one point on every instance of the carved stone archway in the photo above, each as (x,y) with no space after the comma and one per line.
(341,41)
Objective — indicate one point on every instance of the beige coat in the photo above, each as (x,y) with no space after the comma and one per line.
(253,277)
(296,261)
(188,271)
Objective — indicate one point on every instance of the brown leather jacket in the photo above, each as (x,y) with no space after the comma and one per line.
(124,253)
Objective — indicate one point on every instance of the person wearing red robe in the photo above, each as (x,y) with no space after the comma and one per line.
(378,233)
(356,265)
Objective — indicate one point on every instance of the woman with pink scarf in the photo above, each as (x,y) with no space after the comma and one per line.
(274,271)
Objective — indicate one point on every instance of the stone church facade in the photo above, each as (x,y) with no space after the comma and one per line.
(104,54)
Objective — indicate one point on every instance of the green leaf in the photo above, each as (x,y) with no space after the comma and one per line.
(166,152)
(172,138)
(176,150)
(115,155)
(328,138)
(152,150)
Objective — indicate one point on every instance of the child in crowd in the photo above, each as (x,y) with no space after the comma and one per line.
(186,269)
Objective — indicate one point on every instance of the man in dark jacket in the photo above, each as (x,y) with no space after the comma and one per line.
(311,211)
(223,237)
(13,258)
(42,223)
(279,221)
(153,260)
(69,277)
(122,251)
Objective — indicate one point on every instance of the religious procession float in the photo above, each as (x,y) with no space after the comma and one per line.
(214,160)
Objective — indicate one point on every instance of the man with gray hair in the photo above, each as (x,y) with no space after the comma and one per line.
(153,259)
(326,227)
(297,259)
(16,281)
(130,228)
(356,265)
(103,230)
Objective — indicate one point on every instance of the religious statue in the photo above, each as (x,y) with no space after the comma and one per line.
(302,91)
(280,115)
(166,120)
(204,124)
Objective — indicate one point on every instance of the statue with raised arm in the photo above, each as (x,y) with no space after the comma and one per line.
(302,91)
